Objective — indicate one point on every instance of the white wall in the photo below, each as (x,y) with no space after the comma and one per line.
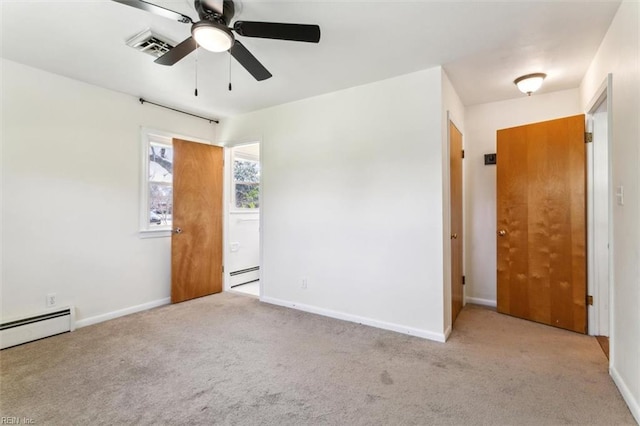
(71,184)
(244,244)
(619,54)
(352,201)
(453,107)
(1,188)
(481,123)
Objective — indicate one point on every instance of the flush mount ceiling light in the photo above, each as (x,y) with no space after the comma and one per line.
(530,83)
(212,36)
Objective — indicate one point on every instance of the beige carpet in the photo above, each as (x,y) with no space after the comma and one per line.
(228,359)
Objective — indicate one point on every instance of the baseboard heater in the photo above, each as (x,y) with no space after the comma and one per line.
(244,276)
(37,327)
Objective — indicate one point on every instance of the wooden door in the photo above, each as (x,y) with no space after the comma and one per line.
(455,158)
(196,244)
(541,179)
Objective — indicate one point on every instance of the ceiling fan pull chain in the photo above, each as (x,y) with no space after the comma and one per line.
(196,91)
(229,71)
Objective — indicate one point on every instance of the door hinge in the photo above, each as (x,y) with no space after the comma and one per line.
(463,280)
(463,153)
(223,269)
(588,137)
(590,300)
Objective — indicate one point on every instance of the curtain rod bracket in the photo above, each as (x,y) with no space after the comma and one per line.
(210,120)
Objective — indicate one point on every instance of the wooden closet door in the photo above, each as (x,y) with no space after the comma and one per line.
(455,161)
(541,223)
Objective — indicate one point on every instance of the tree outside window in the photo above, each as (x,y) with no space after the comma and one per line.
(160,184)
(246,178)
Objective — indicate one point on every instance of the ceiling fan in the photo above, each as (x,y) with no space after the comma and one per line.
(212,33)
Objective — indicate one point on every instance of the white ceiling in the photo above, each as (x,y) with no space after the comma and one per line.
(483,46)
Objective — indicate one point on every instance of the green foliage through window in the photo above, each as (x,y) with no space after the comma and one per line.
(246,176)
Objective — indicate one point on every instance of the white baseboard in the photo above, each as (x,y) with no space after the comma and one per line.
(634,406)
(122,312)
(425,334)
(483,302)
(447,333)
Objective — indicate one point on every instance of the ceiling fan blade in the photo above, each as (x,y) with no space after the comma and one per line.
(158,10)
(178,52)
(247,60)
(273,30)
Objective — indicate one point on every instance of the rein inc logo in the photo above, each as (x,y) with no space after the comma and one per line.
(7,420)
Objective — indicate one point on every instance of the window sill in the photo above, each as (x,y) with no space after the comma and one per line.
(252,211)
(154,233)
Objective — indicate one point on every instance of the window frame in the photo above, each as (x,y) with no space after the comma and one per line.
(149,137)
(244,157)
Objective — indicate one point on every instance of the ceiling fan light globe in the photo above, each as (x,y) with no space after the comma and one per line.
(530,83)
(212,37)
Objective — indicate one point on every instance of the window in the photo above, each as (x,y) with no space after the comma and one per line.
(156,201)
(156,187)
(160,205)
(246,180)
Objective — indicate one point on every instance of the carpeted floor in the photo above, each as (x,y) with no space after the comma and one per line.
(228,359)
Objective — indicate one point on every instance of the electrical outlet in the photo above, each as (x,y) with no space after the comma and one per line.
(51,300)
(303,283)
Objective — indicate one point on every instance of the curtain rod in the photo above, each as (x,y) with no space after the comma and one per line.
(210,120)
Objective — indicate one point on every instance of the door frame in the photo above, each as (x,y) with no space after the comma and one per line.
(226,246)
(601,305)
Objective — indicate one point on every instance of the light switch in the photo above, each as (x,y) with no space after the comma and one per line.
(620,195)
(235,247)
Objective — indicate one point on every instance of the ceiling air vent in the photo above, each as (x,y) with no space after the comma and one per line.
(149,42)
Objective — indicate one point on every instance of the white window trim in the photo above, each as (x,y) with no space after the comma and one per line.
(247,157)
(148,136)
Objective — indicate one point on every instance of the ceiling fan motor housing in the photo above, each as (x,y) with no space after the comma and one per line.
(207,14)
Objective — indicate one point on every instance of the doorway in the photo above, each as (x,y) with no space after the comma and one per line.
(243,219)
(599,206)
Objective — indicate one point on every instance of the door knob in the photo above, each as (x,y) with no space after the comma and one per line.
(502,232)
(178,230)
(454,236)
